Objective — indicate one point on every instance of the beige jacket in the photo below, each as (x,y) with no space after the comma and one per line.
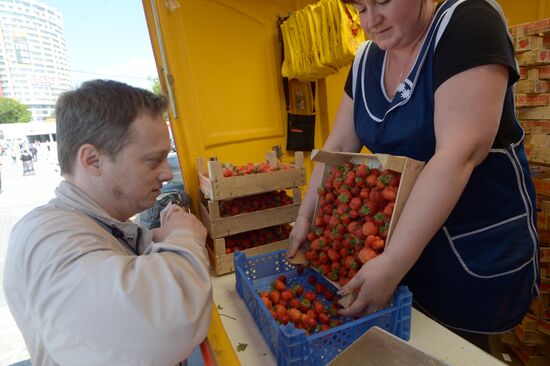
(81,297)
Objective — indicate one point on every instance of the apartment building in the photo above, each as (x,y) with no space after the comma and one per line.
(34,67)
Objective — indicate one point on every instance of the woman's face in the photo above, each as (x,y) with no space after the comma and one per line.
(393,24)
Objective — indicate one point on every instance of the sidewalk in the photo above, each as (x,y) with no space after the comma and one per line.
(19,195)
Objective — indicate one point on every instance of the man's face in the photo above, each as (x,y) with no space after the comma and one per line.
(133,178)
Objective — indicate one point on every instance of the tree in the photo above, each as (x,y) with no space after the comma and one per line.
(155,87)
(11,111)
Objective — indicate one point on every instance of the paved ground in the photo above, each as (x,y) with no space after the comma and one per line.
(19,195)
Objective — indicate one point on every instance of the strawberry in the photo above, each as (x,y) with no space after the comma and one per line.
(355,203)
(389,193)
(369,228)
(328,295)
(287,295)
(293,303)
(319,288)
(388,210)
(275,296)
(344,196)
(361,170)
(227,172)
(318,307)
(279,285)
(333,255)
(268,304)
(379,218)
(310,296)
(304,305)
(366,254)
(294,315)
(350,262)
(371,180)
(324,320)
(375,195)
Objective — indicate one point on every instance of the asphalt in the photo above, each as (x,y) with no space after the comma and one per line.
(19,195)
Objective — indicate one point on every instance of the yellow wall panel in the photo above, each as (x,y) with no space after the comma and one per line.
(223,59)
(524,11)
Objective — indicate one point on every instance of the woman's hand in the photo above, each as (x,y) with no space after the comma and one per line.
(298,234)
(376,282)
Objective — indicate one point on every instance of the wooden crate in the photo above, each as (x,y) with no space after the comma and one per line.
(219,227)
(543,221)
(532,86)
(531,100)
(223,263)
(534,57)
(529,337)
(544,236)
(542,186)
(528,358)
(528,43)
(540,27)
(544,254)
(217,187)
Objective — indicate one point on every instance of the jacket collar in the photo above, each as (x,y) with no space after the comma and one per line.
(75,198)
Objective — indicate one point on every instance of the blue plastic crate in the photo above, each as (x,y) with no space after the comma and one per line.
(292,346)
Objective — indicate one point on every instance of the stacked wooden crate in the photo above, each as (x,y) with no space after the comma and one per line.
(531,339)
(217,189)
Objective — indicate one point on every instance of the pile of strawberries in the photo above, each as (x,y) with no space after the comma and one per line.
(256,238)
(353,215)
(292,304)
(230,170)
(254,202)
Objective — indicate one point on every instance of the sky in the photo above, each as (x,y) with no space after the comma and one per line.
(107,39)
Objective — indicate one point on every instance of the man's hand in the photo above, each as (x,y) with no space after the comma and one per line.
(376,282)
(179,219)
(167,212)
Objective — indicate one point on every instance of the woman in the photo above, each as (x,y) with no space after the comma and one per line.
(435,84)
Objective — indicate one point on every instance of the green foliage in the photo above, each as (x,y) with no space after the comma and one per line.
(11,111)
(155,87)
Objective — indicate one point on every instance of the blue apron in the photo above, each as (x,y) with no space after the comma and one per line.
(480,270)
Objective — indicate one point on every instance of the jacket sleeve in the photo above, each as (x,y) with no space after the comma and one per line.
(93,304)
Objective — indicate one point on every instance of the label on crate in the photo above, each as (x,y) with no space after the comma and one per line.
(534,57)
(529,43)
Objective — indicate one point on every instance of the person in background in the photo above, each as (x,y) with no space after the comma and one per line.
(85,284)
(34,151)
(13,155)
(26,159)
(434,83)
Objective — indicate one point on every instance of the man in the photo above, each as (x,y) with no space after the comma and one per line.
(86,285)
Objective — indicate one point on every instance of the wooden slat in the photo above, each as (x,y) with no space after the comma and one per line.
(230,225)
(223,264)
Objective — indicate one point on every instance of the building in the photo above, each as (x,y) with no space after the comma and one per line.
(34,67)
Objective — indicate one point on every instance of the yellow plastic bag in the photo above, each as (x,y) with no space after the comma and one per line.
(319,39)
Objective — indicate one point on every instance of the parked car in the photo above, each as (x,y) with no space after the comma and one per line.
(172,191)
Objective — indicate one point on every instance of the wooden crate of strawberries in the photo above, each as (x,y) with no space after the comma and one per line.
(360,200)
(242,203)
(237,215)
(254,242)
(219,181)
